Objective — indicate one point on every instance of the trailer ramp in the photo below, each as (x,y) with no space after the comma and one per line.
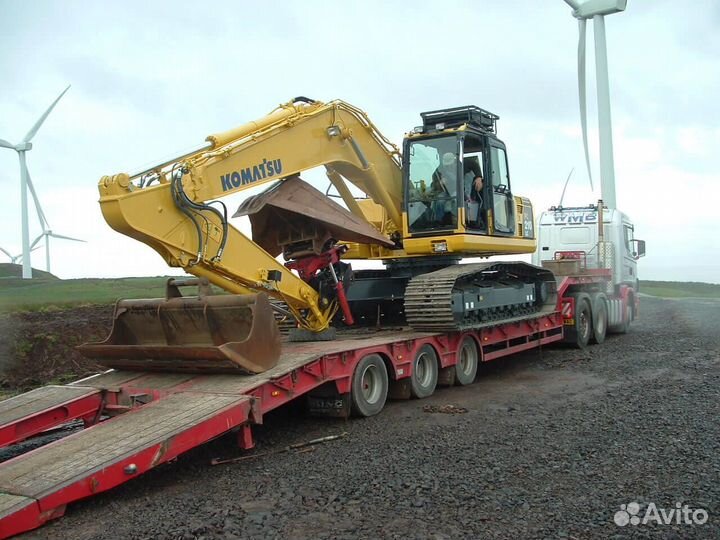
(30,413)
(35,487)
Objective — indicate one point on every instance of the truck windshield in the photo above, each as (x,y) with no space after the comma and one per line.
(433,184)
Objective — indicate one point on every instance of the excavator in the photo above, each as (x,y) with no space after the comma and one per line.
(446,197)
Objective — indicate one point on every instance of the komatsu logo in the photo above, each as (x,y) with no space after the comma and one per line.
(249,175)
(576,217)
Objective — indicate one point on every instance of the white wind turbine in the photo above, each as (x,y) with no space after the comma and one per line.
(596,10)
(21,148)
(46,230)
(15,258)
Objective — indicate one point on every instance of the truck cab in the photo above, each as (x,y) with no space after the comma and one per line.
(575,230)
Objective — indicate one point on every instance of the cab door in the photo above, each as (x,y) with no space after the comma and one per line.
(503,206)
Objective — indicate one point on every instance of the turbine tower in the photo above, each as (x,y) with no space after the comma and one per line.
(21,148)
(596,10)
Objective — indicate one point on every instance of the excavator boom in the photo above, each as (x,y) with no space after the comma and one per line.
(166,207)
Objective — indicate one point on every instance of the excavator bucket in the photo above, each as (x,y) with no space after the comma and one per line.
(200,334)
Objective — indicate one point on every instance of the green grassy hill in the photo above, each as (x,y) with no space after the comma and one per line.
(46,292)
(10,270)
(679,289)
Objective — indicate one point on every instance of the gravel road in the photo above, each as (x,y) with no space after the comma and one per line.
(552,443)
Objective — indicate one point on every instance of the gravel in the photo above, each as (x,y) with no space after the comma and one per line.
(552,443)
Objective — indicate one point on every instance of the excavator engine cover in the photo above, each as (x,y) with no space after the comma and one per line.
(199,334)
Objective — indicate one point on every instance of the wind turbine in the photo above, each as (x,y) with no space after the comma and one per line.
(21,148)
(15,258)
(46,230)
(596,10)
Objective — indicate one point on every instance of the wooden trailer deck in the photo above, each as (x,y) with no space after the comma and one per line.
(156,416)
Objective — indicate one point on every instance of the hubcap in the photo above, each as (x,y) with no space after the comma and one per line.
(584,324)
(370,384)
(465,358)
(423,370)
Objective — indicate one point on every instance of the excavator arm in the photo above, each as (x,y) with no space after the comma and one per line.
(166,206)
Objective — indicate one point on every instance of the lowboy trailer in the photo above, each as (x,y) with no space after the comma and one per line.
(135,421)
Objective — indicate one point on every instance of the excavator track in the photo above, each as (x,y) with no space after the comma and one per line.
(479,295)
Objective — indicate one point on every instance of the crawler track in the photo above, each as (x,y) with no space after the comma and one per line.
(478,295)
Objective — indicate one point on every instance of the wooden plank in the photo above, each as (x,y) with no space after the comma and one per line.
(39,400)
(57,465)
(10,503)
(296,355)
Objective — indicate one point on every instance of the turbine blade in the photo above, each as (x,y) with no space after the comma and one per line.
(41,215)
(6,252)
(65,237)
(34,129)
(565,186)
(6,144)
(36,241)
(581,94)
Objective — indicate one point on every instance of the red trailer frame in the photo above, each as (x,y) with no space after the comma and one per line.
(154,417)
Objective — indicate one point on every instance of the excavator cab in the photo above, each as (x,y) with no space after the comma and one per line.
(456,171)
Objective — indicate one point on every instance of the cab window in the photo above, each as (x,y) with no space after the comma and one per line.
(433,179)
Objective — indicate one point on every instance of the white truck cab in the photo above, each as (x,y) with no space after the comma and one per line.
(564,230)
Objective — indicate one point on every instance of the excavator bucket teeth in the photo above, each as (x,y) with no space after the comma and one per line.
(207,334)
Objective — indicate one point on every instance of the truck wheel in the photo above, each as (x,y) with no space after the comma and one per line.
(467,362)
(624,327)
(369,388)
(582,330)
(424,373)
(600,320)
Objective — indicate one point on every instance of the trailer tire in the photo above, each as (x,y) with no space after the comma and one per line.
(424,372)
(581,331)
(466,365)
(369,387)
(600,319)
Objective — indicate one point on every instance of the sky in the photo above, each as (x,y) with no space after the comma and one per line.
(151,79)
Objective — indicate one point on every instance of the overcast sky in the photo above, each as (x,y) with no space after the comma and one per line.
(152,78)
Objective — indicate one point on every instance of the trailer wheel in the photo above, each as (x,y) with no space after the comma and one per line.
(425,372)
(600,320)
(467,362)
(582,330)
(369,388)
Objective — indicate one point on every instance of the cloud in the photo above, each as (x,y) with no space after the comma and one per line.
(150,79)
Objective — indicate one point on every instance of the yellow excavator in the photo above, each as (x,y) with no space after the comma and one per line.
(446,197)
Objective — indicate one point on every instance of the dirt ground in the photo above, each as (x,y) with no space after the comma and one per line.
(38,347)
(552,444)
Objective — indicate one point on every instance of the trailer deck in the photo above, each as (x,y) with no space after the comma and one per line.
(154,417)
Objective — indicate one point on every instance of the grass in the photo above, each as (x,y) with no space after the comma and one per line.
(9,270)
(679,289)
(43,294)
(47,293)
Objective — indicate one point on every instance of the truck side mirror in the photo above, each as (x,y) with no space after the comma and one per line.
(639,250)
